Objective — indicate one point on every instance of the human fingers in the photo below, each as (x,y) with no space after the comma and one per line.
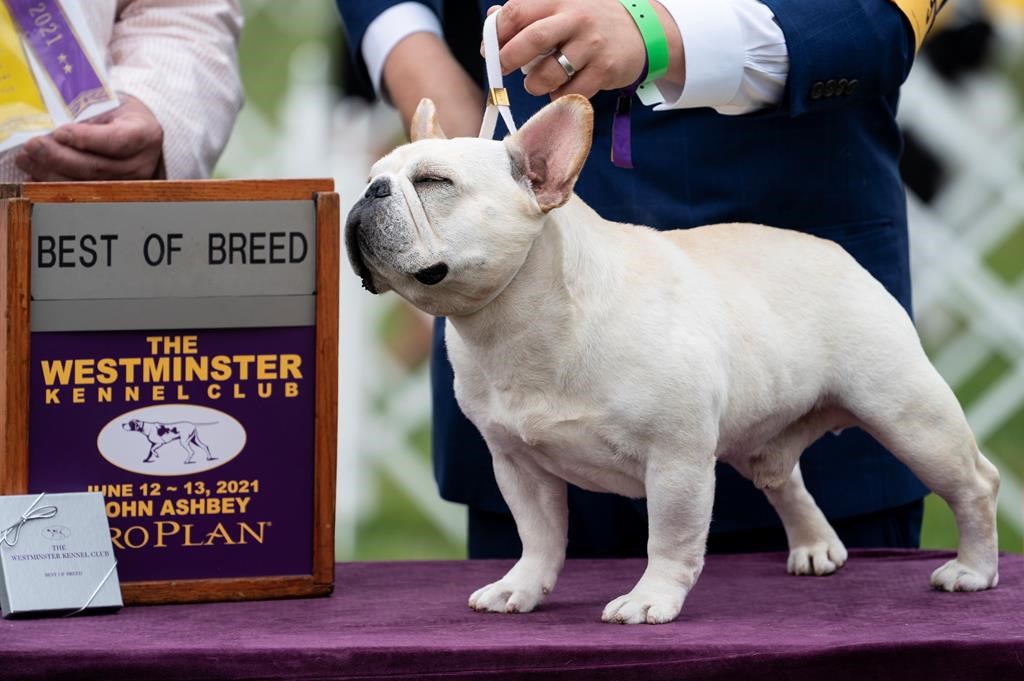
(588,83)
(51,160)
(128,131)
(121,138)
(541,37)
(549,74)
(518,14)
(35,171)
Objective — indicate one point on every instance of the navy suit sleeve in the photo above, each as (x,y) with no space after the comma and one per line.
(357,15)
(842,51)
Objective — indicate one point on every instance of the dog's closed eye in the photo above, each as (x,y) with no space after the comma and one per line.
(428,180)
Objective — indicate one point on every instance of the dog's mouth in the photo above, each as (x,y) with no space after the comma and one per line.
(355,253)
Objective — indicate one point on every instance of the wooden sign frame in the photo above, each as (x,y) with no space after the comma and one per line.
(15,269)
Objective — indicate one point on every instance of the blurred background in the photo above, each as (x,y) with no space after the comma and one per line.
(963,113)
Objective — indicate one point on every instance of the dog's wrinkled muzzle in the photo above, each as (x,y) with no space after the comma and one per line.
(378,189)
(362,240)
(353,246)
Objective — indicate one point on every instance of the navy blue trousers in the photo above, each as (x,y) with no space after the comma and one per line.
(623,533)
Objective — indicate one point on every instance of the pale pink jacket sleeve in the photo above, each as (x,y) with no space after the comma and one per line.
(180,58)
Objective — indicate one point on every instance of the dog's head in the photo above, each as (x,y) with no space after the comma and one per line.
(448,223)
(133,426)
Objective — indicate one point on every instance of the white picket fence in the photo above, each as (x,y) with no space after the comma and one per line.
(976,129)
(981,135)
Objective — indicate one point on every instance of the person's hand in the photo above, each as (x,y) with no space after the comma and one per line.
(598,37)
(421,65)
(123,144)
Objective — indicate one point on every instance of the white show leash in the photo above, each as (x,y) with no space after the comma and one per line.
(497,95)
(498,101)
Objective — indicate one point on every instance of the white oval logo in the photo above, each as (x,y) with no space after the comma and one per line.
(171,439)
(55,532)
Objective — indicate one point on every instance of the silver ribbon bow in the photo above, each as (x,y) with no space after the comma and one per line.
(10,537)
(11,534)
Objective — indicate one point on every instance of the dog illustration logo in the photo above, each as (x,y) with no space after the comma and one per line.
(55,532)
(185,433)
(171,439)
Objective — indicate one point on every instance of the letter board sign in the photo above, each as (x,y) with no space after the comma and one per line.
(179,356)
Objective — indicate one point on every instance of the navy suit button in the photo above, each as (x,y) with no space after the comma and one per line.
(816,90)
(830,88)
(851,87)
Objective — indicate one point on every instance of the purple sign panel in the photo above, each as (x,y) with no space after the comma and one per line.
(202,443)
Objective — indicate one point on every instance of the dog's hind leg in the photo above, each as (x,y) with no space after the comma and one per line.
(814,547)
(197,441)
(188,449)
(917,417)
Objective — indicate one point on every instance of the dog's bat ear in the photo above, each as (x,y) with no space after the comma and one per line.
(551,148)
(425,125)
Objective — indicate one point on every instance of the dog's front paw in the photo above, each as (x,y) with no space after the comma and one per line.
(641,606)
(821,557)
(955,576)
(507,595)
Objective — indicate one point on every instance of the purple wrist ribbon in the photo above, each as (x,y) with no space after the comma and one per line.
(55,44)
(622,146)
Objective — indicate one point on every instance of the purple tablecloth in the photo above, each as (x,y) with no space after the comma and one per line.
(746,619)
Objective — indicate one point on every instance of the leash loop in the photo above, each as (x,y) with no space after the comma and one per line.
(497,95)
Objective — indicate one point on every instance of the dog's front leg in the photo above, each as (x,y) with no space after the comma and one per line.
(679,499)
(538,503)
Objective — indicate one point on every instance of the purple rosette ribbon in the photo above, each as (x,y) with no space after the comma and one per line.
(55,44)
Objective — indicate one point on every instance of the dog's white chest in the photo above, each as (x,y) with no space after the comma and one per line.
(564,435)
(534,418)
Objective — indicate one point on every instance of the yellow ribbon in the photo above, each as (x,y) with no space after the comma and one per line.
(921,15)
(21,106)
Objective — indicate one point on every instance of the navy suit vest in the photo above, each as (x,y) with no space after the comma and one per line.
(824,161)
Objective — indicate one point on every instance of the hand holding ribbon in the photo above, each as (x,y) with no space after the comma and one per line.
(123,144)
(598,37)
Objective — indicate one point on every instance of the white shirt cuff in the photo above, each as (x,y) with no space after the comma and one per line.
(388,29)
(714,50)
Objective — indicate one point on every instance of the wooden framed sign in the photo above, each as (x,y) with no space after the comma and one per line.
(173,345)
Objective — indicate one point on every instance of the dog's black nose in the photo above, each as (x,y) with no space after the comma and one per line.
(378,189)
(433,274)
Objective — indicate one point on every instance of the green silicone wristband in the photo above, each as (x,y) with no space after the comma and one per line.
(653,34)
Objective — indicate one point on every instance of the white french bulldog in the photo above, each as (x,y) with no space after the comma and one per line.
(623,359)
